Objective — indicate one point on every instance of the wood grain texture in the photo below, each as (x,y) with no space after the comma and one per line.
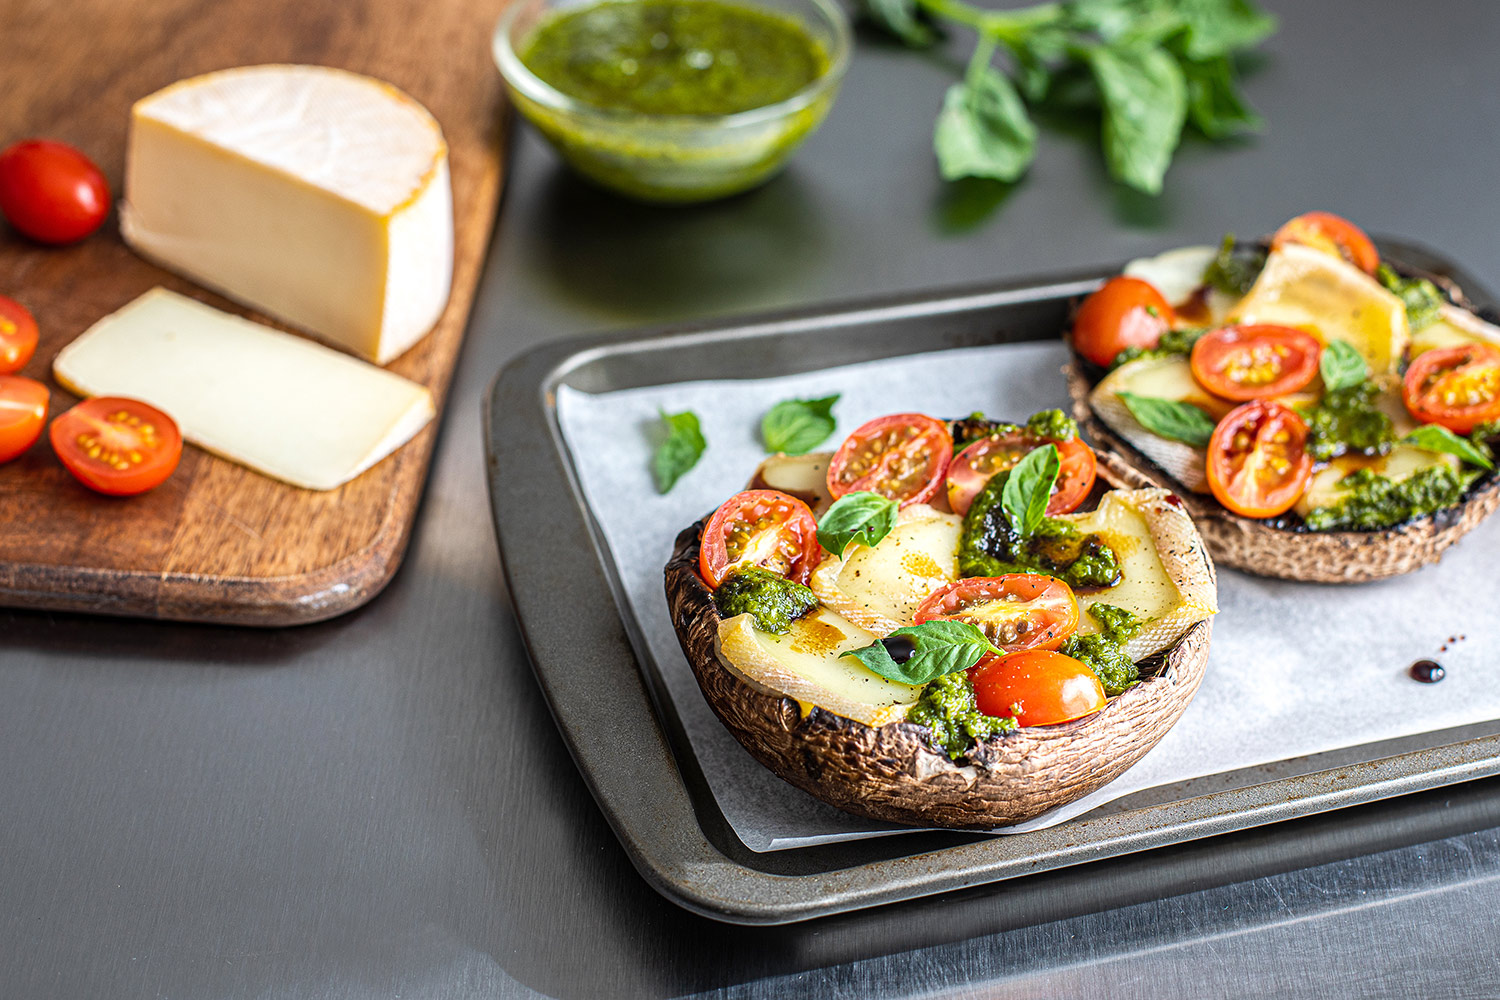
(218,542)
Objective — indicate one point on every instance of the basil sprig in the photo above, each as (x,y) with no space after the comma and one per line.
(797,426)
(679,451)
(1170,419)
(861,517)
(1341,366)
(1434,437)
(940,647)
(1028,489)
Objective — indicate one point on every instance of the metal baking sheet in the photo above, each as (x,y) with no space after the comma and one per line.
(626,738)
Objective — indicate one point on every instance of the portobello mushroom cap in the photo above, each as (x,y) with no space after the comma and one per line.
(892,772)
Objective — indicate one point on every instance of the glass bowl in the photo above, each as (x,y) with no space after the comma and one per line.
(673,158)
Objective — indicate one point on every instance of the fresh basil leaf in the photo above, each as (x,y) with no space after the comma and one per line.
(797,426)
(1218,27)
(860,517)
(1170,419)
(901,19)
(1341,366)
(940,647)
(1214,104)
(1145,104)
(679,451)
(1434,437)
(983,129)
(1028,489)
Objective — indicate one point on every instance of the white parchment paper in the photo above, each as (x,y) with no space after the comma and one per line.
(1295,669)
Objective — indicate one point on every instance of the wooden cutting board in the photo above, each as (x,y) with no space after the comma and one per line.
(217,542)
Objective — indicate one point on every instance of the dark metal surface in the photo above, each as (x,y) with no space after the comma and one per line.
(381,806)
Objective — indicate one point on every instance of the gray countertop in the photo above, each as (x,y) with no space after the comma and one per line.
(379,806)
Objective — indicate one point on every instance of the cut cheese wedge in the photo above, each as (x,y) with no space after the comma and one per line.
(1454,327)
(1403,462)
(880,588)
(1332,300)
(1159,378)
(317,196)
(283,406)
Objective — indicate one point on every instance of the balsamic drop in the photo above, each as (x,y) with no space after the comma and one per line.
(902,648)
(1427,671)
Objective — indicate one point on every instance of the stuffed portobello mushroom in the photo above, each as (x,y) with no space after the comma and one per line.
(1326,416)
(945,623)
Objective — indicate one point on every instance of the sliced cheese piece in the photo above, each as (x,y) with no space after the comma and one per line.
(284,406)
(1165,575)
(806,664)
(1454,327)
(1161,378)
(317,196)
(880,588)
(802,476)
(1178,275)
(1323,490)
(1332,300)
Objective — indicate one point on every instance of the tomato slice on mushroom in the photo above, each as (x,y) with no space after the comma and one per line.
(902,457)
(762,528)
(977,464)
(1124,312)
(1457,387)
(1016,611)
(18,336)
(119,447)
(1332,234)
(23,414)
(1255,362)
(1036,687)
(1258,463)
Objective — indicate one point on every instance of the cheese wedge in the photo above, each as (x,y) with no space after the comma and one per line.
(1454,327)
(283,406)
(1159,378)
(316,196)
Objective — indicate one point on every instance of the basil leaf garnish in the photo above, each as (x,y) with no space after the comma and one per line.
(1145,101)
(983,129)
(797,426)
(1170,419)
(679,451)
(1028,489)
(942,647)
(1434,437)
(1341,366)
(856,517)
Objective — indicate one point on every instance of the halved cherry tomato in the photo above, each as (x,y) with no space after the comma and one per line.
(1258,463)
(1255,362)
(1457,387)
(1016,611)
(51,191)
(17,336)
(1331,234)
(977,464)
(1036,687)
(902,457)
(119,447)
(1124,312)
(760,528)
(23,414)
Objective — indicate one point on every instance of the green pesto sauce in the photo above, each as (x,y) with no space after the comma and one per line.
(1374,501)
(1234,270)
(989,546)
(773,600)
(947,707)
(1104,651)
(1347,421)
(1421,297)
(1173,343)
(675,57)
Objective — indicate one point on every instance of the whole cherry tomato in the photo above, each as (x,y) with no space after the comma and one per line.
(1124,312)
(1036,687)
(52,192)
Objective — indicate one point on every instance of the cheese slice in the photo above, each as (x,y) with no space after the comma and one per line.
(1454,327)
(880,588)
(1403,462)
(316,196)
(282,405)
(1168,378)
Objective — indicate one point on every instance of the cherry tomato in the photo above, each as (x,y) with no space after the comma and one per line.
(1258,463)
(760,528)
(52,192)
(1255,362)
(1331,234)
(1457,387)
(977,464)
(902,457)
(1016,611)
(18,336)
(23,414)
(1036,687)
(1124,312)
(117,446)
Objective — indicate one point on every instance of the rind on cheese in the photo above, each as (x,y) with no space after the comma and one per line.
(1454,327)
(280,404)
(317,196)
